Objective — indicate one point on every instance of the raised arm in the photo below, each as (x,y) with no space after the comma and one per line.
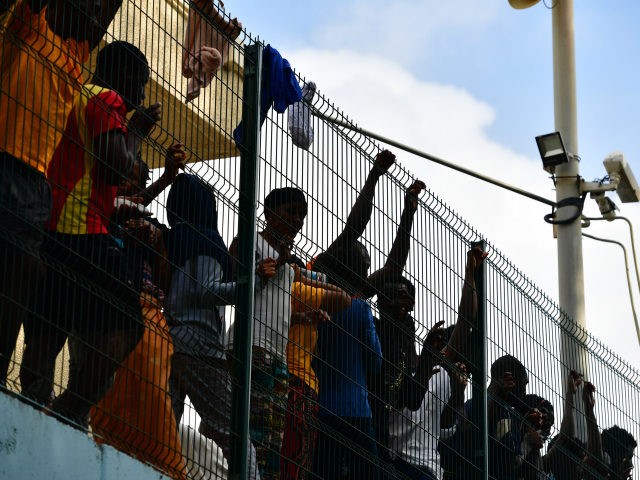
(400,248)
(397,258)
(594,440)
(104,17)
(361,211)
(413,390)
(467,310)
(568,425)
(175,160)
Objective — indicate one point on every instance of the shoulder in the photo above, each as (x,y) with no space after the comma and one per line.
(362,309)
(105,98)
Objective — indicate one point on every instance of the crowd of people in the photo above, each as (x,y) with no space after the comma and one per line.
(335,392)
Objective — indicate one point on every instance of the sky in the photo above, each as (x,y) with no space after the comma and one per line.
(472,82)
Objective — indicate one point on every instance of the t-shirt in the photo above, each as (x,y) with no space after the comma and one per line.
(303,337)
(40,77)
(414,435)
(272,306)
(348,350)
(82,204)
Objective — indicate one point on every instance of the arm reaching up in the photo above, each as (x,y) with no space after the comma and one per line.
(360,213)
(468,309)
(399,253)
(595,461)
(568,425)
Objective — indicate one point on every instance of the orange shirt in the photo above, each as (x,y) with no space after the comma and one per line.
(303,337)
(40,76)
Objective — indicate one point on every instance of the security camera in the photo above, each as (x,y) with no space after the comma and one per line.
(605,204)
(618,169)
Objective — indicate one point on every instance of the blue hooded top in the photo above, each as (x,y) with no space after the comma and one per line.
(193,217)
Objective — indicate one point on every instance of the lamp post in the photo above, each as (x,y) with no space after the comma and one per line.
(569,235)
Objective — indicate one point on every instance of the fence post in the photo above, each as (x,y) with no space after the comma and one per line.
(249,173)
(480,440)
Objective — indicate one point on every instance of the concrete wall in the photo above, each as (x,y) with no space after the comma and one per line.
(204,125)
(35,446)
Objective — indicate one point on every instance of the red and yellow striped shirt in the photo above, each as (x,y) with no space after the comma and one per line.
(82,204)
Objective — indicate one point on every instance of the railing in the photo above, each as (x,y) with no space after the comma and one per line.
(320,388)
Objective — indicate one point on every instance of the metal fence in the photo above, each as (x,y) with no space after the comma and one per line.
(328,361)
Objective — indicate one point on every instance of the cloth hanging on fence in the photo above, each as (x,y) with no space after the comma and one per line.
(206,46)
(279,87)
(135,415)
(299,117)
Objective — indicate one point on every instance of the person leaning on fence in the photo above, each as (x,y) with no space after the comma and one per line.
(565,451)
(348,351)
(396,298)
(312,301)
(136,415)
(509,379)
(610,453)
(90,286)
(200,287)
(43,46)
(427,391)
(300,436)
(285,210)
(414,435)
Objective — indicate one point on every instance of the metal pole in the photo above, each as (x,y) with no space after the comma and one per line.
(480,442)
(570,267)
(249,173)
(433,158)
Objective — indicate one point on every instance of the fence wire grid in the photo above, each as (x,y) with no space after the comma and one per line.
(387,337)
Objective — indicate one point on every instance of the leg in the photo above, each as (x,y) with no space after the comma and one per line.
(21,271)
(329,452)
(208,385)
(25,205)
(176,387)
(300,433)
(268,404)
(46,330)
(101,359)
(108,322)
(363,459)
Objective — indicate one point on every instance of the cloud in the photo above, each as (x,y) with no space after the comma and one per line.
(403,29)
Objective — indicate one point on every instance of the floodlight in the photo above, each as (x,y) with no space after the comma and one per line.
(552,151)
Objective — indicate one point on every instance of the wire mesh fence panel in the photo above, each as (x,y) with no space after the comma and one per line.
(131,258)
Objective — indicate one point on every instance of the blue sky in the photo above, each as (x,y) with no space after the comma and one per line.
(471,81)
